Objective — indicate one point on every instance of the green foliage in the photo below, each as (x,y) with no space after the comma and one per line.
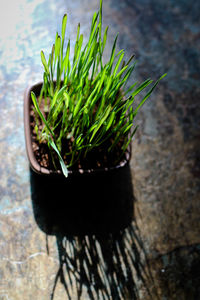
(87,100)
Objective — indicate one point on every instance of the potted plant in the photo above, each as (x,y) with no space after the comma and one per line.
(80,119)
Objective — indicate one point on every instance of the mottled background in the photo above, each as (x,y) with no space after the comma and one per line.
(158,255)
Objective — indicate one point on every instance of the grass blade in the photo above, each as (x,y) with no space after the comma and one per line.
(34,99)
(62,164)
(148,94)
(44,62)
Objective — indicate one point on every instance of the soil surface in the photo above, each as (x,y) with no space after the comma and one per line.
(96,158)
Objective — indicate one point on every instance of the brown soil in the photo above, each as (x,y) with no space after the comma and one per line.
(96,159)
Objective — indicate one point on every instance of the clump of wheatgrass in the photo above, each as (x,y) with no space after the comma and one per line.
(87,101)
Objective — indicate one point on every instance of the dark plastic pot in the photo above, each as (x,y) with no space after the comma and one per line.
(88,201)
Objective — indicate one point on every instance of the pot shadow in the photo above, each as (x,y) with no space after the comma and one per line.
(83,204)
(101,254)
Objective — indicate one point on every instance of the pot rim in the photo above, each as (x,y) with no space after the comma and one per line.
(29,150)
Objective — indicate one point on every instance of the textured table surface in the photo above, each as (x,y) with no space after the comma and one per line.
(158,255)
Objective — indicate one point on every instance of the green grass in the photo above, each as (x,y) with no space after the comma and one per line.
(87,101)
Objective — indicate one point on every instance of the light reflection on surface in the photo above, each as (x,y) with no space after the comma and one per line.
(15,29)
(26,28)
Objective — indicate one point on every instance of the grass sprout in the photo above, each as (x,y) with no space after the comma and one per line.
(87,100)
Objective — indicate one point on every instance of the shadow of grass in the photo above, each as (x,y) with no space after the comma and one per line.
(103,267)
(100,253)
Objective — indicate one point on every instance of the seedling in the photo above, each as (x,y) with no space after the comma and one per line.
(85,102)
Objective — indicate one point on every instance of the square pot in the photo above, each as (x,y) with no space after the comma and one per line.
(92,201)
(28,138)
